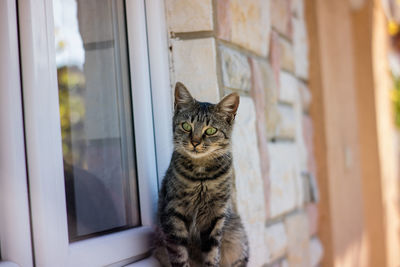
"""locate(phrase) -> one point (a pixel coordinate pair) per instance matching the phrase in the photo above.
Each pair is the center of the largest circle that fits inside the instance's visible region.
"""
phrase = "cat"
(197, 223)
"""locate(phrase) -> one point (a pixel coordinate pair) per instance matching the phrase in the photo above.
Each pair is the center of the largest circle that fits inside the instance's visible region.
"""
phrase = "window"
(95, 145)
(96, 116)
(89, 123)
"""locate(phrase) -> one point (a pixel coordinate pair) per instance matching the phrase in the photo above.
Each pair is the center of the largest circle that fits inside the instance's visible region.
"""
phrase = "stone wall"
(257, 48)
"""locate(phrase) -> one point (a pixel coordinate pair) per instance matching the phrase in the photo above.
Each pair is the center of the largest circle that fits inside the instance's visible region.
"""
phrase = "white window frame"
(157, 34)
(43, 135)
(15, 233)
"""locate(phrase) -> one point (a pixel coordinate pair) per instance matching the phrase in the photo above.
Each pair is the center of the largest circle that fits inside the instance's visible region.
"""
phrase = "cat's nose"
(195, 142)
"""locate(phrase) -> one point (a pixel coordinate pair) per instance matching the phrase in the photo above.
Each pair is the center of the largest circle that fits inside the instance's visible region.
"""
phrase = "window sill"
(8, 264)
(148, 262)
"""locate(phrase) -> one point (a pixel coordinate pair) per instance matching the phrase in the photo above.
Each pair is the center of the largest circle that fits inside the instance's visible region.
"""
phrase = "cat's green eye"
(186, 126)
(211, 131)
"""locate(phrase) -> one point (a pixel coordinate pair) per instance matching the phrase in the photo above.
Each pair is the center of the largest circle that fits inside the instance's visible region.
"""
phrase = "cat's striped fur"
(197, 223)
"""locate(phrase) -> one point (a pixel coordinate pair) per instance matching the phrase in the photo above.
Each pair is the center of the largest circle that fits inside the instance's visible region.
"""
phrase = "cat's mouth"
(196, 151)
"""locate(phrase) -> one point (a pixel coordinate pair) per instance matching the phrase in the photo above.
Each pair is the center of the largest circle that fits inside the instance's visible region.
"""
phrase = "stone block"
(298, 8)
(194, 64)
(286, 55)
(300, 141)
(235, 69)
(276, 240)
(245, 23)
(248, 180)
(275, 56)
(306, 187)
(224, 19)
(305, 95)
(259, 96)
(298, 240)
(281, 17)
(307, 130)
(285, 181)
(311, 192)
(312, 213)
(288, 91)
(189, 16)
(286, 128)
(316, 252)
(314, 189)
(265, 94)
(300, 47)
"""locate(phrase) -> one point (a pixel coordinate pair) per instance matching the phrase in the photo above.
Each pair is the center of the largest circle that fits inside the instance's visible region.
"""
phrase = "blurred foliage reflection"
(71, 90)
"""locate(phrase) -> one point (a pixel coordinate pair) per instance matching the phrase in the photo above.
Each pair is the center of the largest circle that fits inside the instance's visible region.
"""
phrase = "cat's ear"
(228, 106)
(182, 96)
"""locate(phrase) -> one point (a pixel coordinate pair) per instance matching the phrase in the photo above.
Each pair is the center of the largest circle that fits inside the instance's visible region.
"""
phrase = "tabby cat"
(197, 223)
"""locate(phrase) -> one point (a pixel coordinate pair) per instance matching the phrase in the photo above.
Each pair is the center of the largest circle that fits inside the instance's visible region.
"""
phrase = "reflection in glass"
(96, 116)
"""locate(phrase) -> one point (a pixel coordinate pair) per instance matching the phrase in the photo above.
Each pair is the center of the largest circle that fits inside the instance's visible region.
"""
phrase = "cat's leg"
(234, 244)
(211, 242)
(161, 254)
(176, 238)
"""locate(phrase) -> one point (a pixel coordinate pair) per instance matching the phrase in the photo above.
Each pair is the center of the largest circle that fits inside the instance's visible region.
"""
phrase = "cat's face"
(202, 129)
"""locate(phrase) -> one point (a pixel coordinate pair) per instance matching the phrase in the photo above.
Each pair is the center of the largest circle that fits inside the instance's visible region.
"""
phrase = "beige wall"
(363, 27)
(388, 150)
(339, 96)
(356, 147)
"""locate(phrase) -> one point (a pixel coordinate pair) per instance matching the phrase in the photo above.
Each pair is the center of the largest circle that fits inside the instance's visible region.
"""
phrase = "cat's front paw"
(211, 264)
(212, 259)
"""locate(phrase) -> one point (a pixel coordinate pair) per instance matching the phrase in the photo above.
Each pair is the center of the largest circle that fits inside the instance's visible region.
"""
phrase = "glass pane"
(96, 116)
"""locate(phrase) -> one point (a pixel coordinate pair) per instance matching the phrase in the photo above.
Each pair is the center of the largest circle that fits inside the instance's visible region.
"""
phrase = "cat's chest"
(201, 194)
(199, 171)
(202, 205)
(204, 201)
